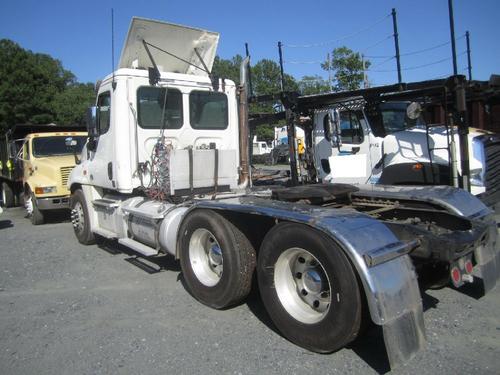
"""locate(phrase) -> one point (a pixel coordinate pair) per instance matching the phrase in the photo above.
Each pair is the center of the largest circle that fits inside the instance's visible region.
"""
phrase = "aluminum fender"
(391, 287)
(455, 200)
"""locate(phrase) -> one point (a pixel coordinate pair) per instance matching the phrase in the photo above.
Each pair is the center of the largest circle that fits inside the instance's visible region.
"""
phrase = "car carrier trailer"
(166, 171)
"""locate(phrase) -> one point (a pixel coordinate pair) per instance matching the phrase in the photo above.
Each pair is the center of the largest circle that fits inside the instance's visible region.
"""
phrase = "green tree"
(265, 132)
(229, 69)
(70, 105)
(310, 85)
(348, 68)
(28, 84)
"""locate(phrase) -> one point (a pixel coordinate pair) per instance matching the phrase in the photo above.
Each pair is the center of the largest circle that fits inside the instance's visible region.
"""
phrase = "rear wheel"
(217, 259)
(309, 288)
(80, 218)
(8, 196)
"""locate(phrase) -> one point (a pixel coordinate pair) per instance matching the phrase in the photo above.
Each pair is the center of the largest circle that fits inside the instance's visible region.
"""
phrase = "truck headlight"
(476, 177)
(45, 190)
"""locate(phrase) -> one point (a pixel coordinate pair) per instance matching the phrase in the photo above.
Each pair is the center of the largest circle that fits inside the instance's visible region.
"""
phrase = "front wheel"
(80, 218)
(217, 259)
(309, 288)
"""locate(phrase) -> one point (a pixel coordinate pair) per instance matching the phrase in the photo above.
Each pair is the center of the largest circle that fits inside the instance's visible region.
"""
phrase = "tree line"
(35, 88)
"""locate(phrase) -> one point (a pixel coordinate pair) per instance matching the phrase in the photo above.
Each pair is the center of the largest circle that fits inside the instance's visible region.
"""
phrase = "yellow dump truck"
(36, 161)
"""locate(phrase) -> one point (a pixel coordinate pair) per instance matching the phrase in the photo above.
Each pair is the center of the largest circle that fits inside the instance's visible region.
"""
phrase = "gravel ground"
(71, 309)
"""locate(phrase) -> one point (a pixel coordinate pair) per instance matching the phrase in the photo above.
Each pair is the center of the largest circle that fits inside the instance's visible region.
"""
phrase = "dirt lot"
(70, 309)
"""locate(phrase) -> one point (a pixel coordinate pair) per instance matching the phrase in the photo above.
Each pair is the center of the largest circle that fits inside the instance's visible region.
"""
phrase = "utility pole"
(280, 51)
(396, 43)
(452, 32)
(365, 80)
(469, 65)
(329, 71)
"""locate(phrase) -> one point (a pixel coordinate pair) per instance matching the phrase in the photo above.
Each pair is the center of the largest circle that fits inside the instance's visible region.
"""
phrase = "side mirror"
(92, 128)
(71, 143)
(92, 121)
(334, 127)
(413, 110)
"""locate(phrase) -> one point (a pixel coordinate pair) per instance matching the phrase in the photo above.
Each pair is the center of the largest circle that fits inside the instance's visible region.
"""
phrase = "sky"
(79, 32)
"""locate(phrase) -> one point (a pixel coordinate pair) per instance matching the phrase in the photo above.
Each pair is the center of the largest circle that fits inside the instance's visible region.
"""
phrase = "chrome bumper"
(53, 203)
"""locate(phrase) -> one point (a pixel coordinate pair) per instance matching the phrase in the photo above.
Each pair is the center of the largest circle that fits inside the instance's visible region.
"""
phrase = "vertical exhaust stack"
(244, 178)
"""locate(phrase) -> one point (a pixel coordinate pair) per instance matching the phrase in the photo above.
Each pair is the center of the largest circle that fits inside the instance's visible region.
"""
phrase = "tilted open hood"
(175, 39)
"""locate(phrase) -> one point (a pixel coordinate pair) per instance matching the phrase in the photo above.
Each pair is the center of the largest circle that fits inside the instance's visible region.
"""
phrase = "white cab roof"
(175, 39)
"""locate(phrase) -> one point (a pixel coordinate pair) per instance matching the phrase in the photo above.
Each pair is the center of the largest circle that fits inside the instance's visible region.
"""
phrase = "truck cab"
(399, 150)
(46, 162)
(35, 163)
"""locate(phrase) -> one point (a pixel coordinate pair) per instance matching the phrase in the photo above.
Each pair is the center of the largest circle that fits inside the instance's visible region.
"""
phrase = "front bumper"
(53, 203)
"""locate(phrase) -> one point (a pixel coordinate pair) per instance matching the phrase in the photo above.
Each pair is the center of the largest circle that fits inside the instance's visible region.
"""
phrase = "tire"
(309, 288)
(80, 218)
(37, 216)
(217, 259)
(8, 196)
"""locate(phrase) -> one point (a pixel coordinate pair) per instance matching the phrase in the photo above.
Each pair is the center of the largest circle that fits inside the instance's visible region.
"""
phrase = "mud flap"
(488, 260)
(404, 337)
(396, 305)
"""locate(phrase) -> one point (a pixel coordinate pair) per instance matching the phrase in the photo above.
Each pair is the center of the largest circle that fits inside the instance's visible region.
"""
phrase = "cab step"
(138, 247)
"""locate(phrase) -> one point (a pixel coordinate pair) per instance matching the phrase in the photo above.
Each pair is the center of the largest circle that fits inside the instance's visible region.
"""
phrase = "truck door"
(102, 158)
(351, 161)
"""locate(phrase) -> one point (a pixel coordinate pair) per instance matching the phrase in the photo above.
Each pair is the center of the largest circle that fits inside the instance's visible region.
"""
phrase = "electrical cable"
(415, 67)
(348, 36)
(376, 44)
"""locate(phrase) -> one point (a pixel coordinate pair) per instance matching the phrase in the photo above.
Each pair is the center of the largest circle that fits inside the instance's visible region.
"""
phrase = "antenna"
(113, 84)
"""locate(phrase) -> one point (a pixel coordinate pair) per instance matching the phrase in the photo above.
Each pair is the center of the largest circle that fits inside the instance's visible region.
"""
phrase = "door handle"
(355, 150)
(110, 170)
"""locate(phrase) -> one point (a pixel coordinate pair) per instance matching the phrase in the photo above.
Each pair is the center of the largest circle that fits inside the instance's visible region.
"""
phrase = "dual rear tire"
(307, 284)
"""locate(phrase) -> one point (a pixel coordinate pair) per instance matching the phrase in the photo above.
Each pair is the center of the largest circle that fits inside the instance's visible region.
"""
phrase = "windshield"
(395, 118)
(53, 146)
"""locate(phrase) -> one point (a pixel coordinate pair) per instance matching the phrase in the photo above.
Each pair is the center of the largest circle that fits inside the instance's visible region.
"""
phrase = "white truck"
(400, 150)
(260, 147)
(166, 171)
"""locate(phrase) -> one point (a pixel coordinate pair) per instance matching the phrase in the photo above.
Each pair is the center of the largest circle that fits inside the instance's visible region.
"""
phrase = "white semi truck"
(166, 171)
(380, 144)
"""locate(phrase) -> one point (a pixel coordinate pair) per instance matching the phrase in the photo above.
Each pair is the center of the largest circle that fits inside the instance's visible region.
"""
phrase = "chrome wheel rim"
(302, 285)
(78, 217)
(205, 256)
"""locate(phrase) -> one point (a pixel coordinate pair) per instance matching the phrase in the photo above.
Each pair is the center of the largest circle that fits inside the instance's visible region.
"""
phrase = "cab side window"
(350, 127)
(103, 112)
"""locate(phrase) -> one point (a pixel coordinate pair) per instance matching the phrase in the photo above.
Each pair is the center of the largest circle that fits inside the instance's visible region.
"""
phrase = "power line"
(383, 62)
(430, 48)
(304, 62)
(417, 66)
(321, 44)
(376, 44)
